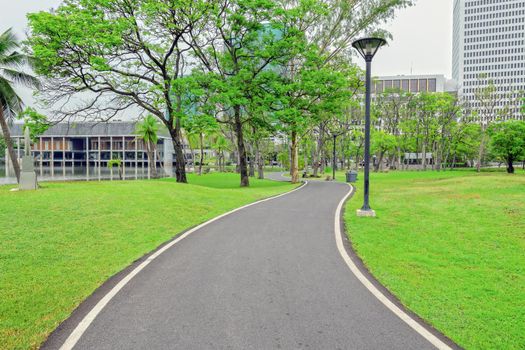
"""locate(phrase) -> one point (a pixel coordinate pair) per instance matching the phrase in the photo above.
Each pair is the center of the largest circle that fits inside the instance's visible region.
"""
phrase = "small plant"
(116, 163)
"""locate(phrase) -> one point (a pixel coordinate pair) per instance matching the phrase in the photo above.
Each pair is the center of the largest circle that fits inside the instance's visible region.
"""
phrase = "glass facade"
(489, 48)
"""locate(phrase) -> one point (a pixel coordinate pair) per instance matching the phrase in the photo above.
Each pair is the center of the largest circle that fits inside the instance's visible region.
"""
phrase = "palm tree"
(147, 131)
(11, 63)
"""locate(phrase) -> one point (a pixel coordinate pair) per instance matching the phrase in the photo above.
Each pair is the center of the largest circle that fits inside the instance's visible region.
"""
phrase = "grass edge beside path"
(450, 246)
(67, 239)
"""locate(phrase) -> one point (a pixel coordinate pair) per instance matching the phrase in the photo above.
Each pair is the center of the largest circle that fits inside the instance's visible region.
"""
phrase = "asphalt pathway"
(266, 277)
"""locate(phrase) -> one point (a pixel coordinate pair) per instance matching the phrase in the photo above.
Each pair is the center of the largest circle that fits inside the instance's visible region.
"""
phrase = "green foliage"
(37, 123)
(147, 130)
(11, 62)
(260, 66)
(115, 162)
(507, 141)
(2, 147)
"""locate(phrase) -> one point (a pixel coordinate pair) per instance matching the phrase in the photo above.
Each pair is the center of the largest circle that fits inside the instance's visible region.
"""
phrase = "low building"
(86, 148)
(414, 83)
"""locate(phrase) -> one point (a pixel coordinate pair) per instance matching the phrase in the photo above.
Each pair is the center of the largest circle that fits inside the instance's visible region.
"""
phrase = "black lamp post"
(367, 47)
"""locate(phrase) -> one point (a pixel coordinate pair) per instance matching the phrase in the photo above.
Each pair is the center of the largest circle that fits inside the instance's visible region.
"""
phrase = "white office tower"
(489, 46)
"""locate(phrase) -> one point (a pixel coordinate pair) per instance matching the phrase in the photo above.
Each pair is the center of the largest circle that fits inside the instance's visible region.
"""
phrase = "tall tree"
(12, 63)
(241, 51)
(119, 55)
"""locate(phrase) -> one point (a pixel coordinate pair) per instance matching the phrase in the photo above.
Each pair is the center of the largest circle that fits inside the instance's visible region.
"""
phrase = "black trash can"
(351, 176)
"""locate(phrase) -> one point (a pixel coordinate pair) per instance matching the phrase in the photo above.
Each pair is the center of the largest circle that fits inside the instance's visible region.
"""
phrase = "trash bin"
(351, 176)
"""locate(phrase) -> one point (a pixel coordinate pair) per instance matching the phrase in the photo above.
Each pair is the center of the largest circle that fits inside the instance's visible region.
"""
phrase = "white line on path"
(376, 292)
(74, 337)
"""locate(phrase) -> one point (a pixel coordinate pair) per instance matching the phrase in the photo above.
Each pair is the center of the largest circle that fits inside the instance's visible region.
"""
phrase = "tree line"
(249, 68)
(236, 75)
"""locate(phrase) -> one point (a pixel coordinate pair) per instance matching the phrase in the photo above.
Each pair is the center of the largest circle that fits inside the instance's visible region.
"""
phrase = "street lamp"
(367, 47)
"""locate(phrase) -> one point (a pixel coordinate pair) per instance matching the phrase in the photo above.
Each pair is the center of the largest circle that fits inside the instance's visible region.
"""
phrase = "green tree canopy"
(507, 142)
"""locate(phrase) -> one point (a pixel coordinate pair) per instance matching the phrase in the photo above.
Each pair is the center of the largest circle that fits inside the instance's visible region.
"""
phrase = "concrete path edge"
(380, 292)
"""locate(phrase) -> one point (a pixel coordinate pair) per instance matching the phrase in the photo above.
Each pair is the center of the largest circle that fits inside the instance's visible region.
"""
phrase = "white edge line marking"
(376, 292)
(80, 329)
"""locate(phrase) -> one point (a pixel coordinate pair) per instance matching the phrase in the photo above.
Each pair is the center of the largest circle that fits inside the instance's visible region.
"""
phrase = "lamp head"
(368, 47)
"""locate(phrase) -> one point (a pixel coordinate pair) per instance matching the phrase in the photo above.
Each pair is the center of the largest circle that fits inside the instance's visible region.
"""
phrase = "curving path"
(266, 277)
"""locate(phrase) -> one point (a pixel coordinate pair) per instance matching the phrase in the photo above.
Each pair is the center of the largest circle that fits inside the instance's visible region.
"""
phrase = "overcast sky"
(422, 35)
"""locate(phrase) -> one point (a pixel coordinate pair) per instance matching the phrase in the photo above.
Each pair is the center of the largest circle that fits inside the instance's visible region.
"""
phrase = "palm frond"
(19, 77)
(14, 60)
(8, 42)
(9, 99)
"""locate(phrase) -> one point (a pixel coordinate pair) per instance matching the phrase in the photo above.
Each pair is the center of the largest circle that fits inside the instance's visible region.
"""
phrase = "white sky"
(422, 36)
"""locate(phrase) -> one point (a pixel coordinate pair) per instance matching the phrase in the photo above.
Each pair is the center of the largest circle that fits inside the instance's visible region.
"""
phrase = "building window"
(397, 84)
(422, 85)
(413, 85)
(432, 85)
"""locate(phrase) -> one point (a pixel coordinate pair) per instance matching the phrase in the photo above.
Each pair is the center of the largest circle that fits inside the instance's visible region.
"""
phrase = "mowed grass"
(58, 244)
(451, 246)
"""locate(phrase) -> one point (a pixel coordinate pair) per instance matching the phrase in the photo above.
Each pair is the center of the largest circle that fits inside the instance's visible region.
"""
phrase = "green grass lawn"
(451, 246)
(58, 244)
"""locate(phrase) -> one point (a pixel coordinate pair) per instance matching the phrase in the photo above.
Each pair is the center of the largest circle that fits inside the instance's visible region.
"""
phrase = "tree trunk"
(9, 144)
(251, 166)
(243, 164)
(437, 159)
(260, 161)
(424, 155)
(294, 158)
(201, 141)
(180, 161)
(151, 160)
(481, 151)
(322, 155)
(315, 162)
(510, 165)
(379, 162)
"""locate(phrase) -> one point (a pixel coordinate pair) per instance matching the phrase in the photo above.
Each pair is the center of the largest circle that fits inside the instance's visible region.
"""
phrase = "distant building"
(90, 146)
(414, 83)
(489, 45)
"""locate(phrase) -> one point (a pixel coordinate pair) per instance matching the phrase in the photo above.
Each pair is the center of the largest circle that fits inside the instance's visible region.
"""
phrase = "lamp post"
(367, 47)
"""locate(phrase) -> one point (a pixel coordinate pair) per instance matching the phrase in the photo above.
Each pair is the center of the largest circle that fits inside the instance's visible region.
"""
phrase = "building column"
(52, 164)
(87, 158)
(111, 156)
(149, 164)
(7, 162)
(41, 157)
(99, 156)
(136, 159)
(168, 157)
(124, 157)
(64, 157)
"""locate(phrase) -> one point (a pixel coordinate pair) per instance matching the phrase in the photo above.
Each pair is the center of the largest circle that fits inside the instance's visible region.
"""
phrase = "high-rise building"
(489, 49)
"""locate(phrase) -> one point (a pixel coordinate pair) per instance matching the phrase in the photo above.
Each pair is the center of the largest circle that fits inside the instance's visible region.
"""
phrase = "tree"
(11, 62)
(220, 145)
(119, 55)
(489, 98)
(507, 142)
(240, 53)
(200, 126)
(382, 144)
(36, 122)
(147, 132)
